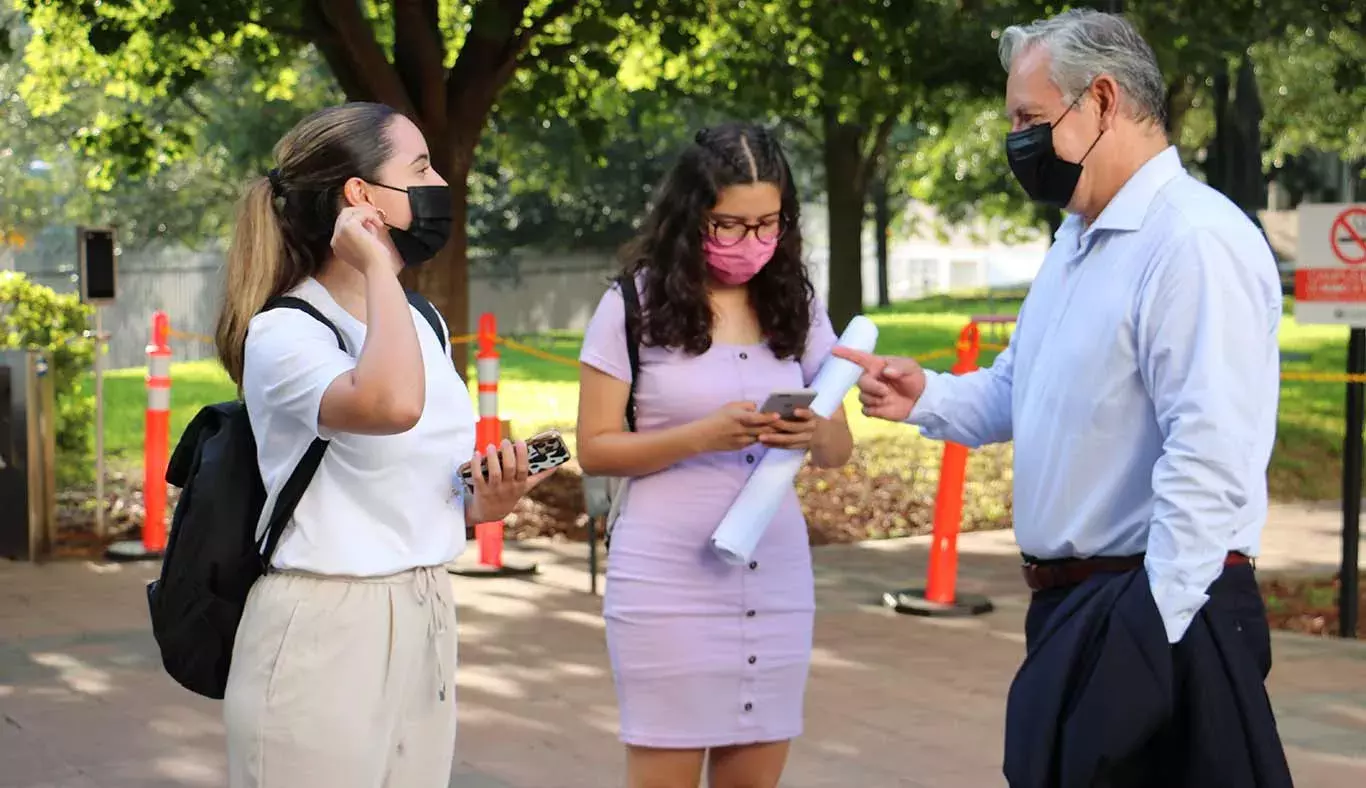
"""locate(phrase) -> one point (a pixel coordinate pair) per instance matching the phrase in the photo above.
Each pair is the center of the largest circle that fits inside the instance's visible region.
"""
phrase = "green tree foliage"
(231, 119)
(34, 316)
(959, 166)
(1313, 84)
(844, 75)
(443, 63)
(30, 191)
(579, 181)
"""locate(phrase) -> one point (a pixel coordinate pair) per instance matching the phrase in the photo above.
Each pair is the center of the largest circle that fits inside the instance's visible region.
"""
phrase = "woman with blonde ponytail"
(343, 668)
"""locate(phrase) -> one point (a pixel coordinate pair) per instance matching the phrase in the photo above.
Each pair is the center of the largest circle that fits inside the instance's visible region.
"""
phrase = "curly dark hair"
(676, 309)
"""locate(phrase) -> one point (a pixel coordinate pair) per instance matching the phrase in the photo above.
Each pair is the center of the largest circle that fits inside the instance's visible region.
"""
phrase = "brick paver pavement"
(893, 700)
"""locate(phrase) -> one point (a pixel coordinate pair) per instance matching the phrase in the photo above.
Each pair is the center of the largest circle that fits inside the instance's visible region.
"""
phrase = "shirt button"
(749, 458)
(749, 614)
(744, 356)
(753, 564)
(753, 659)
(749, 707)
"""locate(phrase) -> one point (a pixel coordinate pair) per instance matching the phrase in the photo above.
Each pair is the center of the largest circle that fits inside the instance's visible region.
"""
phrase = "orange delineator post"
(939, 596)
(488, 430)
(942, 576)
(157, 437)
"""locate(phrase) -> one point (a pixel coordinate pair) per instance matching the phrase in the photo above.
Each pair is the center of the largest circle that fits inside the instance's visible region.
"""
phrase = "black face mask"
(1046, 178)
(431, 225)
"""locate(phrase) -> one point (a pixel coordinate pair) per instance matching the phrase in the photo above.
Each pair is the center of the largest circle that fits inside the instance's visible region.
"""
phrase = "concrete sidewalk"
(893, 700)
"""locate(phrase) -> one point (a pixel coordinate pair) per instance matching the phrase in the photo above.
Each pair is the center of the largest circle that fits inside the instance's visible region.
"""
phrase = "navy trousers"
(1193, 749)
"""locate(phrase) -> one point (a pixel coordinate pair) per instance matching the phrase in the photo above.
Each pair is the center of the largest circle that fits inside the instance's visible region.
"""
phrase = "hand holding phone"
(545, 451)
(733, 427)
(787, 403)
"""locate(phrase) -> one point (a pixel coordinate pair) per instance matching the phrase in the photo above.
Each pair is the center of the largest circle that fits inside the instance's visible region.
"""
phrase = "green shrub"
(35, 316)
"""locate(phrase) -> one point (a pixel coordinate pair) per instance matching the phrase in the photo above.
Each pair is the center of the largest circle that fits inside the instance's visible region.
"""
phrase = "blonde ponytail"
(284, 227)
(256, 271)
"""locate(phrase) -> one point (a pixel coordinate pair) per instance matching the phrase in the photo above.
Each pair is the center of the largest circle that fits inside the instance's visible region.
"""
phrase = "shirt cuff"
(1176, 603)
(926, 410)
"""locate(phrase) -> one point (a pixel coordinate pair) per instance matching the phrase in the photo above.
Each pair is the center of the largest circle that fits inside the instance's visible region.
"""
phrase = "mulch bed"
(874, 497)
(867, 499)
(1310, 604)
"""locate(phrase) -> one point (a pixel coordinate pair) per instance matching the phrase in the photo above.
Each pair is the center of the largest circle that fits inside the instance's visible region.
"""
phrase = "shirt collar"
(1130, 204)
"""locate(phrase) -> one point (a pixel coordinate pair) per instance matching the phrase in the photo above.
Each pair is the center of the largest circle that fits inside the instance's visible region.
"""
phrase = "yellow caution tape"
(171, 333)
(512, 344)
(537, 352)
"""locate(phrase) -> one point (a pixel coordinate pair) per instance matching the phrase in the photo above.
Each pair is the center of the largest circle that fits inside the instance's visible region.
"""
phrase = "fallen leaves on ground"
(124, 514)
(1310, 605)
(887, 490)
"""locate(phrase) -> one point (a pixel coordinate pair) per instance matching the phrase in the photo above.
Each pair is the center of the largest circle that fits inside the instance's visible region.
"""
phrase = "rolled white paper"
(749, 515)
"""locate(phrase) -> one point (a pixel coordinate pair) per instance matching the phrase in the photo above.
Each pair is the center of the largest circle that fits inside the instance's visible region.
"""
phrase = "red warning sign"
(1348, 236)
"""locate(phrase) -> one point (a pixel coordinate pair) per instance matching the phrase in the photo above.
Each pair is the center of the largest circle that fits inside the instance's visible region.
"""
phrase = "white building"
(925, 263)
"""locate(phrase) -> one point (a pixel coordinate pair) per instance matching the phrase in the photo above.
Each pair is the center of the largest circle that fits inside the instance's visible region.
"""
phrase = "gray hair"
(1084, 44)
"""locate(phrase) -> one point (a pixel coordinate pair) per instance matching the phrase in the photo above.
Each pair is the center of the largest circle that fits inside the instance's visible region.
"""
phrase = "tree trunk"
(1248, 184)
(1178, 101)
(1219, 150)
(845, 196)
(882, 219)
(1233, 162)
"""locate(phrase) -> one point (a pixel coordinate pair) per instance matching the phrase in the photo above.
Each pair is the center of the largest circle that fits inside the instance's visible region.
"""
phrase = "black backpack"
(213, 556)
(630, 298)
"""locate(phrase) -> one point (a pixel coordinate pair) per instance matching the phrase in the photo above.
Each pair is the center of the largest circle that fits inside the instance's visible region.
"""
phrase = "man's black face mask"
(1046, 178)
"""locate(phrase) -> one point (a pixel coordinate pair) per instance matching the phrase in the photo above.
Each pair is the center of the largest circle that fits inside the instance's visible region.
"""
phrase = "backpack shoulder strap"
(303, 473)
(428, 311)
(630, 297)
(293, 302)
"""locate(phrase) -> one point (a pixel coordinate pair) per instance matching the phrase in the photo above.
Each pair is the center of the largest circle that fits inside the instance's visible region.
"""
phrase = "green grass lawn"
(536, 393)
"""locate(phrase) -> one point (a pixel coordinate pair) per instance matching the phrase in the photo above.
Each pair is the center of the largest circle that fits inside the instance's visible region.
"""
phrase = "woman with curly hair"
(710, 660)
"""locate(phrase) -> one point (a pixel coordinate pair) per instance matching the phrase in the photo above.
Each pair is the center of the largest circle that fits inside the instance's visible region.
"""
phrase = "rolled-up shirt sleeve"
(1207, 350)
(971, 409)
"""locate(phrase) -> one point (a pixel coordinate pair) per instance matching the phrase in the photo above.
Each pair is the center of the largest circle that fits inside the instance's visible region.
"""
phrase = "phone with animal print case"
(544, 451)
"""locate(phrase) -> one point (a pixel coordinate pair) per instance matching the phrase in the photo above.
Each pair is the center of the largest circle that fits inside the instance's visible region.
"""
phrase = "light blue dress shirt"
(1140, 388)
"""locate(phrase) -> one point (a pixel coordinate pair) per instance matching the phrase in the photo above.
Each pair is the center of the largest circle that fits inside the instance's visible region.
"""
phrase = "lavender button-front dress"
(704, 654)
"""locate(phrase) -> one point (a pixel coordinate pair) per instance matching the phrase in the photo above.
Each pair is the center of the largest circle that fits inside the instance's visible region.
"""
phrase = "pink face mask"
(736, 265)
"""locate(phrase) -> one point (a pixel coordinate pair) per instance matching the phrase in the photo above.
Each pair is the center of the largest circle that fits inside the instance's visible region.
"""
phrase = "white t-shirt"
(379, 504)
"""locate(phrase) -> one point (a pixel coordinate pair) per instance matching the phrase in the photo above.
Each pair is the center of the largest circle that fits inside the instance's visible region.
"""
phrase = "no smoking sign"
(1330, 269)
(1348, 236)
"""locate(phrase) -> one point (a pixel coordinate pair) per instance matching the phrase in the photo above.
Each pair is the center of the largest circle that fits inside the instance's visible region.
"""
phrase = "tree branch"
(801, 127)
(556, 10)
(549, 55)
(419, 58)
(188, 99)
(876, 146)
(493, 27)
(356, 52)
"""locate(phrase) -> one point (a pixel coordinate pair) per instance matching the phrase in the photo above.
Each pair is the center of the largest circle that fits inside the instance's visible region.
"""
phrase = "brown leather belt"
(1045, 575)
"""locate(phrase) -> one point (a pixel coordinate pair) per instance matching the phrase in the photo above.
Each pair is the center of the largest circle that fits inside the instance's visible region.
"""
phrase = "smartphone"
(544, 451)
(786, 403)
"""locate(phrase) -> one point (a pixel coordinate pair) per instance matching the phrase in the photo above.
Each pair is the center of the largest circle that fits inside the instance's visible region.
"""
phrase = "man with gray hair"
(1140, 388)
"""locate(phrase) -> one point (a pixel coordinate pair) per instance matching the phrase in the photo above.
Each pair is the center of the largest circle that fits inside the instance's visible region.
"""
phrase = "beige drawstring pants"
(342, 682)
